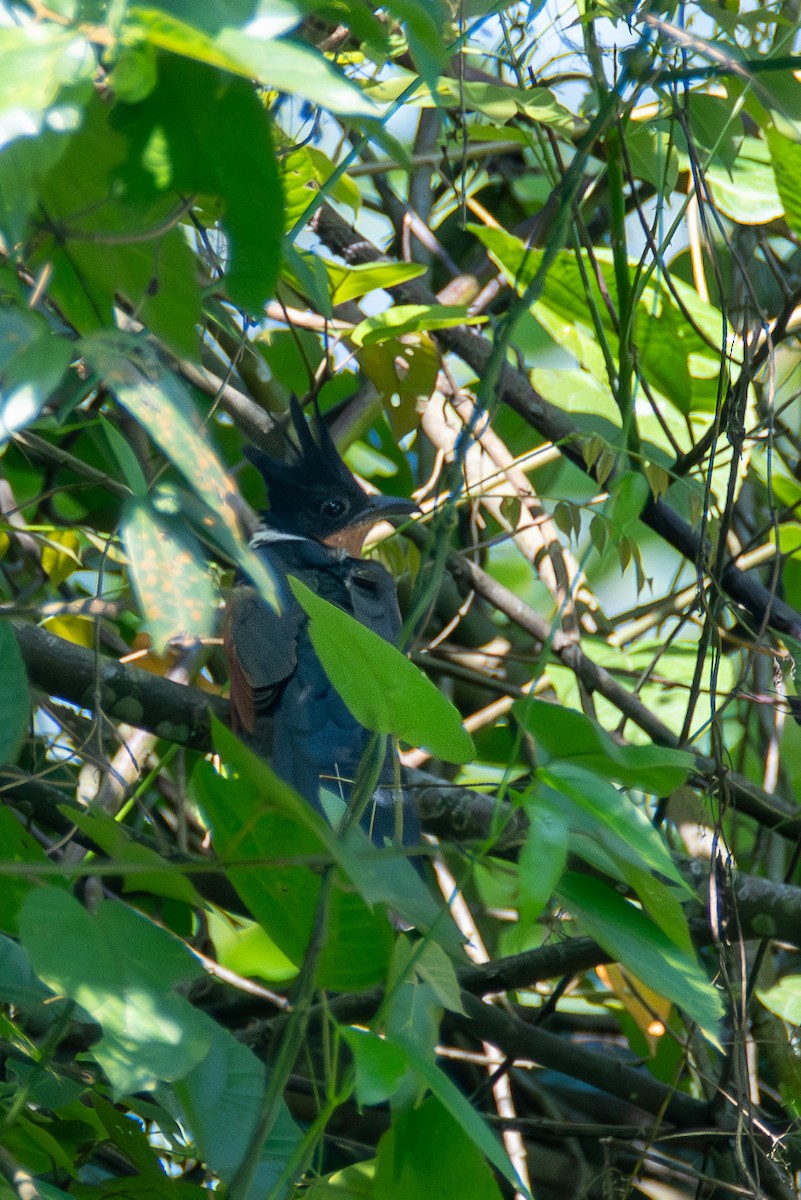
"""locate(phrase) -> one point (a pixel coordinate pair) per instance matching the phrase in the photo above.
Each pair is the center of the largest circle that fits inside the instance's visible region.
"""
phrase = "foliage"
(540, 267)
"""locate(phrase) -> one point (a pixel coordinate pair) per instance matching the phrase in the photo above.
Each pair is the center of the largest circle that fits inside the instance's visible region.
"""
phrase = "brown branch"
(181, 714)
(170, 710)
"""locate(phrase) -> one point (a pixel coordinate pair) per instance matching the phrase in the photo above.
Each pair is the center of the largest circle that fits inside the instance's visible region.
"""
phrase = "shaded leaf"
(15, 698)
(32, 364)
(264, 834)
(615, 813)
(220, 1101)
(428, 1152)
(460, 1112)
(190, 131)
(160, 403)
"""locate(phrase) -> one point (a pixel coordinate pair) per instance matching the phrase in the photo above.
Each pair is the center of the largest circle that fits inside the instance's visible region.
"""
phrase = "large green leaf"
(15, 698)
(427, 1152)
(18, 847)
(379, 878)
(566, 735)
(786, 159)
(156, 398)
(460, 1110)
(252, 50)
(172, 580)
(189, 134)
(381, 687)
(272, 845)
(102, 227)
(638, 944)
(542, 861)
(121, 968)
(615, 816)
(747, 193)
(219, 1101)
(142, 868)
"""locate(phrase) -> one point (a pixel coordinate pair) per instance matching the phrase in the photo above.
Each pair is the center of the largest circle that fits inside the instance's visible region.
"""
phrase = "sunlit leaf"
(381, 687)
(564, 734)
(638, 944)
(121, 968)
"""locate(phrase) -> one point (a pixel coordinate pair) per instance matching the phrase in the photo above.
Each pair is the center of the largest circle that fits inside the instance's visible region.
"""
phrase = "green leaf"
(382, 688)
(380, 1066)
(410, 318)
(566, 735)
(542, 859)
(786, 158)
(128, 463)
(150, 873)
(19, 846)
(615, 815)
(15, 698)
(33, 360)
(461, 1114)
(748, 193)
(156, 398)
(783, 999)
(219, 1101)
(253, 52)
(680, 359)
(190, 131)
(380, 879)
(626, 933)
(20, 986)
(264, 834)
(352, 282)
(172, 580)
(102, 226)
(498, 101)
(121, 969)
(436, 967)
(245, 947)
(36, 61)
(424, 21)
(427, 1152)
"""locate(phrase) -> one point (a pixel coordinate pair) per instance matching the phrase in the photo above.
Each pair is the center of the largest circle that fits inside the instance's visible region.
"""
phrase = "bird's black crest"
(311, 493)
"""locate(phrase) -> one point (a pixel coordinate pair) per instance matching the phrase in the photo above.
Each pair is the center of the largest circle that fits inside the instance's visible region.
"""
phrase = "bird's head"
(313, 494)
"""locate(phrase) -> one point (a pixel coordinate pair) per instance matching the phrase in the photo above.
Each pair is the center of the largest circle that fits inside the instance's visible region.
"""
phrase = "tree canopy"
(539, 266)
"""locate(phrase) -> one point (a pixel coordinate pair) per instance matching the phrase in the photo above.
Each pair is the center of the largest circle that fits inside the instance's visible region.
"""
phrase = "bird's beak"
(384, 507)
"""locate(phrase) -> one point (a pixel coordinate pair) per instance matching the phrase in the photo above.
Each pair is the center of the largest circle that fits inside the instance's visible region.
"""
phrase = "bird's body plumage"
(283, 704)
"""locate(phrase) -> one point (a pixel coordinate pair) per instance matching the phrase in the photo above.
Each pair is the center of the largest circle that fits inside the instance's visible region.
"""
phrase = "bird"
(283, 705)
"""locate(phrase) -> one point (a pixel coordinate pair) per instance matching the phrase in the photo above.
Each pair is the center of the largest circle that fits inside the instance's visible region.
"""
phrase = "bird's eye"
(331, 509)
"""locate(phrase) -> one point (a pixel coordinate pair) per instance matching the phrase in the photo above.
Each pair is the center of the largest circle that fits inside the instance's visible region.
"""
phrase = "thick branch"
(180, 714)
(170, 710)
(515, 1038)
